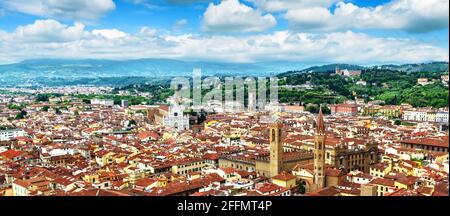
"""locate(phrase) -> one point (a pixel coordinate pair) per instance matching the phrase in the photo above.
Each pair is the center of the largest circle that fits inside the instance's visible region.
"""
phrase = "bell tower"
(319, 152)
(276, 148)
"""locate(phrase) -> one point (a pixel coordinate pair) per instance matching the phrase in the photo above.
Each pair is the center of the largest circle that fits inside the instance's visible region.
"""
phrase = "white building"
(415, 115)
(7, 135)
(104, 102)
(442, 116)
(176, 118)
(423, 81)
(426, 115)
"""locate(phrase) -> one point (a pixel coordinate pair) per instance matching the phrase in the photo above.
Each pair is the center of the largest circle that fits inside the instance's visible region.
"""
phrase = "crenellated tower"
(276, 148)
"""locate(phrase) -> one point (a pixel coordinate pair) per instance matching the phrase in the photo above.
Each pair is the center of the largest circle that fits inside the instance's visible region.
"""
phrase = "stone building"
(273, 163)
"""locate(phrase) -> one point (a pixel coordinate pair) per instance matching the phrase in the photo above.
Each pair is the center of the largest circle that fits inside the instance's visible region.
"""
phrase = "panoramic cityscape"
(224, 98)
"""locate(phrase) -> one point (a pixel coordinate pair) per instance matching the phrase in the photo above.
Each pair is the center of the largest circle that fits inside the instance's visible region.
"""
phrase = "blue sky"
(356, 31)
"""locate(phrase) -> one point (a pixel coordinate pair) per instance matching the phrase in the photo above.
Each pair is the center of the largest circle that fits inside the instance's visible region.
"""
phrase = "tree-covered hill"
(392, 86)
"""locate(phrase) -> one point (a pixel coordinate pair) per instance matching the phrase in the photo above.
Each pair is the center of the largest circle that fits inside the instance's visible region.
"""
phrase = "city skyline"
(225, 98)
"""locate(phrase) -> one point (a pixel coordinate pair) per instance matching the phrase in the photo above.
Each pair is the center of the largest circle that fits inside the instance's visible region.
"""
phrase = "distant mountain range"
(56, 72)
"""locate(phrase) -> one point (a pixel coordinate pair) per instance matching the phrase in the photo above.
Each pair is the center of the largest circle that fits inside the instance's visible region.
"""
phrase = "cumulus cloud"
(408, 15)
(73, 41)
(109, 33)
(68, 9)
(49, 31)
(233, 16)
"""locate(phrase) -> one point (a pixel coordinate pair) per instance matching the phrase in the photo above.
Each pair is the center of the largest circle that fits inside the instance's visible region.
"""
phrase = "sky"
(354, 31)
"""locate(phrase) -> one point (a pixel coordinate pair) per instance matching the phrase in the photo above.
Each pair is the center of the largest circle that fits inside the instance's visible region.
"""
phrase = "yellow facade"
(285, 183)
(185, 168)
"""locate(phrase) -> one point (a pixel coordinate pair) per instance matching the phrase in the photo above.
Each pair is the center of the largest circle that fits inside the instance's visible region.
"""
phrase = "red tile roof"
(10, 154)
(429, 141)
(284, 176)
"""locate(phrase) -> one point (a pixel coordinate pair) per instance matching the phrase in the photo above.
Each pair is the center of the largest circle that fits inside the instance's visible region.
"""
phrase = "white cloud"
(49, 31)
(147, 32)
(109, 33)
(49, 38)
(69, 9)
(407, 15)
(233, 16)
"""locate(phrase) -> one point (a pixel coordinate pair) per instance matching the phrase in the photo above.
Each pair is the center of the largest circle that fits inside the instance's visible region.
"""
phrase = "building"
(10, 134)
(104, 102)
(423, 81)
(361, 82)
(429, 144)
(293, 109)
(390, 111)
(285, 180)
(171, 116)
(444, 79)
(276, 149)
(271, 164)
(188, 166)
(319, 153)
(346, 72)
(124, 103)
(426, 115)
(416, 115)
(344, 109)
(442, 116)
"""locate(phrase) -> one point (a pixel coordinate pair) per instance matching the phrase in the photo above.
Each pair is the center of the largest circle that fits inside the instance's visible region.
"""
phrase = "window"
(273, 135)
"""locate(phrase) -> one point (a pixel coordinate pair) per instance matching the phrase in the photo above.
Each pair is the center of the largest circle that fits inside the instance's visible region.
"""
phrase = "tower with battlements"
(276, 148)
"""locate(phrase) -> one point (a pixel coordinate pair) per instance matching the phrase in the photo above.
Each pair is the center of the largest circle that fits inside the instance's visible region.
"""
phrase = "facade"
(416, 115)
(189, 166)
(104, 102)
(344, 109)
(176, 118)
(442, 116)
(171, 116)
(7, 135)
(429, 144)
(426, 115)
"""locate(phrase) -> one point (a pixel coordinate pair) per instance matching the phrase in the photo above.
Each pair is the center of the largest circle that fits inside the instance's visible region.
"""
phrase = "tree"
(397, 122)
(131, 122)
(301, 188)
(86, 101)
(42, 97)
(45, 108)
(21, 115)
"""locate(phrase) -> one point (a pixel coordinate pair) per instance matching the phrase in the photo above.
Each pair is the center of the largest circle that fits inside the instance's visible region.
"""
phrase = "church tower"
(276, 148)
(319, 152)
